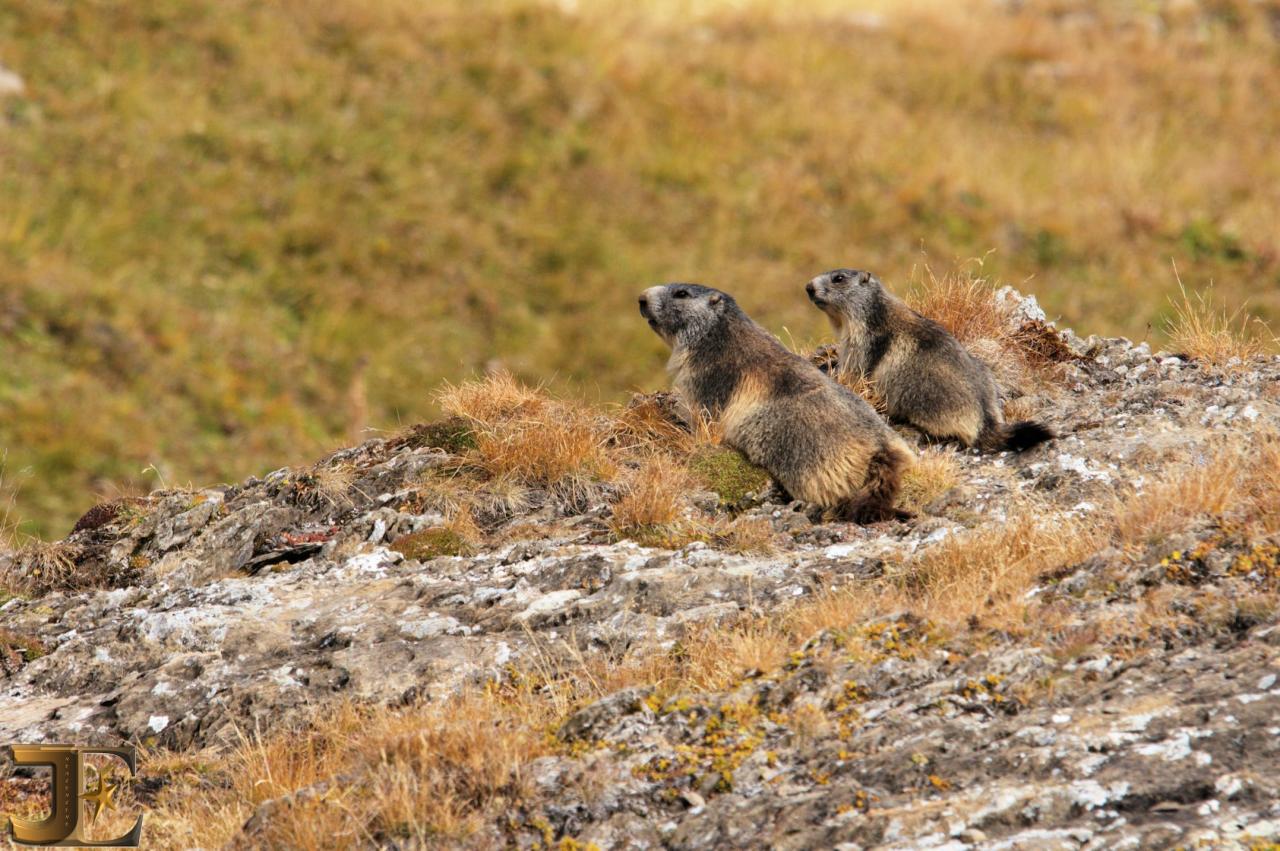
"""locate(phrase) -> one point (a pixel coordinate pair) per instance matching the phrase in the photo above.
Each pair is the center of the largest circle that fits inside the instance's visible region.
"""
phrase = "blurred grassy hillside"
(233, 231)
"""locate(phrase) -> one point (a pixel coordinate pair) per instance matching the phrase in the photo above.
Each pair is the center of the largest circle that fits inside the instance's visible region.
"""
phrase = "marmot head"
(843, 293)
(684, 312)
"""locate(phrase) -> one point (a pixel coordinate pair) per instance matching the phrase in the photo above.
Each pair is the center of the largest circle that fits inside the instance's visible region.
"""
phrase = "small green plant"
(432, 543)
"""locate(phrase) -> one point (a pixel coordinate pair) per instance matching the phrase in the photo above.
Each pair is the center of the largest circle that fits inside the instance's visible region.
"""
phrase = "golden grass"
(746, 535)
(524, 435)
(964, 304)
(934, 472)
(1260, 487)
(38, 567)
(1182, 494)
(330, 484)
(497, 397)
(1236, 479)
(1214, 336)
(653, 496)
(429, 774)
(647, 424)
(9, 520)
(986, 573)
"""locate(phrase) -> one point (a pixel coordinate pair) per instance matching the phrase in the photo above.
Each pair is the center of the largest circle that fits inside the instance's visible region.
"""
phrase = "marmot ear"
(715, 299)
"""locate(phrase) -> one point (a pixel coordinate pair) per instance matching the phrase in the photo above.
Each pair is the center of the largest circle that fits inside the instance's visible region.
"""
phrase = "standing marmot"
(926, 377)
(820, 441)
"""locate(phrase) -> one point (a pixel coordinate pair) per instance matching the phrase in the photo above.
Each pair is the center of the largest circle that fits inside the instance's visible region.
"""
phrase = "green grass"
(210, 212)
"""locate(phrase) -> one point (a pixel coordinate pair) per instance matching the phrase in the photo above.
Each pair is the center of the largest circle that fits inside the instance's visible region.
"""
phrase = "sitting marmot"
(926, 377)
(819, 440)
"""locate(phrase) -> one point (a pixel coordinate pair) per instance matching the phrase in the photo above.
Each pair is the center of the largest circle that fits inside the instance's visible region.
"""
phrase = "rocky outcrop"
(238, 609)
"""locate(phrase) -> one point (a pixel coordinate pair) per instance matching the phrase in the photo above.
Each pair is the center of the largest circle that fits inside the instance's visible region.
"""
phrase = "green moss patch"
(432, 543)
(728, 473)
(453, 435)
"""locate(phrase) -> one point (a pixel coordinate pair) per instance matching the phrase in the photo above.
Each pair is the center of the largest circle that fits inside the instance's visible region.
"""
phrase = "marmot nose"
(809, 288)
(644, 304)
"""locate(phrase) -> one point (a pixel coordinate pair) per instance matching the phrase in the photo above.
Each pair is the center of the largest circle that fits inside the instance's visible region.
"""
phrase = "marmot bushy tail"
(926, 377)
(1023, 435)
(820, 441)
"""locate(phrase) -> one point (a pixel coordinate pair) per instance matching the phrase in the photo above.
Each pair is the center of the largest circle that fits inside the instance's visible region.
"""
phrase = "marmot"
(819, 440)
(926, 377)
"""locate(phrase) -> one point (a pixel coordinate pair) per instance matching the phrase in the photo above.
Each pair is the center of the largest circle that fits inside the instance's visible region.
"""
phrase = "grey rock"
(246, 607)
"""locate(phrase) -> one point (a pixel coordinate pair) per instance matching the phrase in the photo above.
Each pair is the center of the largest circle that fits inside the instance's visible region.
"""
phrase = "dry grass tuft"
(963, 304)
(1260, 487)
(747, 535)
(985, 573)
(333, 483)
(653, 497)
(495, 398)
(935, 472)
(40, 567)
(1183, 494)
(652, 422)
(358, 775)
(527, 436)
(9, 521)
(1020, 357)
(839, 610)
(1205, 333)
(1239, 480)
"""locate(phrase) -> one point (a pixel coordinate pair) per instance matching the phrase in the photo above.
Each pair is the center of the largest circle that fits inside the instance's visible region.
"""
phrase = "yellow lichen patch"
(731, 733)
(1261, 562)
(939, 783)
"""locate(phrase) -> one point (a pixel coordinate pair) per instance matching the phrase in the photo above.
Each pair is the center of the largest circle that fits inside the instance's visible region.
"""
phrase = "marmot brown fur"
(820, 441)
(925, 376)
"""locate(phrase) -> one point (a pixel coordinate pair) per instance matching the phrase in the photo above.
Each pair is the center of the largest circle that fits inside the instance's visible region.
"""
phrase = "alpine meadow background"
(235, 234)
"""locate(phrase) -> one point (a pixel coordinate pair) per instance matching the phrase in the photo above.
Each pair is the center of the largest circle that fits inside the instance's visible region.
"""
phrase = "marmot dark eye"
(839, 278)
(680, 294)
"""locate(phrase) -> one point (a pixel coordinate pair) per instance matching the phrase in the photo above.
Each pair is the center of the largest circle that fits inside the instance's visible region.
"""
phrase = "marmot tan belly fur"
(926, 377)
(820, 441)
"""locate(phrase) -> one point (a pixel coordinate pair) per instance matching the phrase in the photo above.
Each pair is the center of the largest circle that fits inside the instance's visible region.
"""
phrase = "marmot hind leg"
(875, 502)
